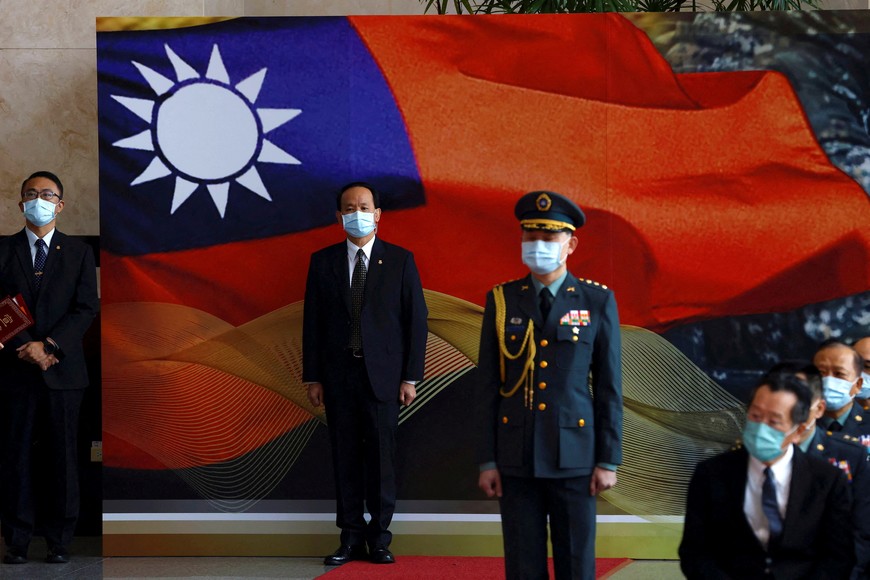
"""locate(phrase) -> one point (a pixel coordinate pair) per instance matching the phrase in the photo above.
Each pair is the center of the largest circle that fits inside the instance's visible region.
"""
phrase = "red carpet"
(446, 568)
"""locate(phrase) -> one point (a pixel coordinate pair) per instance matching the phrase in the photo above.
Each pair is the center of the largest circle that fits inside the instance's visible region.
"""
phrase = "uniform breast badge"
(575, 318)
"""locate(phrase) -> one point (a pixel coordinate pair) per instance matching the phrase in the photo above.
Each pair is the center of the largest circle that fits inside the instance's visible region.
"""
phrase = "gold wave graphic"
(155, 353)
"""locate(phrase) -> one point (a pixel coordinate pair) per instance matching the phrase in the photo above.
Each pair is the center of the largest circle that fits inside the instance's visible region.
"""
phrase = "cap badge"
(543, 202)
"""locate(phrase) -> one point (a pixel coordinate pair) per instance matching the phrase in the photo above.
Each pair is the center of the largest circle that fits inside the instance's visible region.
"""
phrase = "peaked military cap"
(547, 210)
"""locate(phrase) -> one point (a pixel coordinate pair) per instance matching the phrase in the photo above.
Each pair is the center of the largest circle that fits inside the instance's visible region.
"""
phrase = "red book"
(14, 317)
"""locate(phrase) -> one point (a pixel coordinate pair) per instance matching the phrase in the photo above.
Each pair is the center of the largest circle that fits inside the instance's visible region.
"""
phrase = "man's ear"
(796, 436)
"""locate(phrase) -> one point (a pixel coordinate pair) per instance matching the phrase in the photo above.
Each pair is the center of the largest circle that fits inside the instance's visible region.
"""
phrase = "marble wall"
(48, 85)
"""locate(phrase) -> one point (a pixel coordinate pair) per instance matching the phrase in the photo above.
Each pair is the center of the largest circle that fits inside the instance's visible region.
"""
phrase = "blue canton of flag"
(241, 130)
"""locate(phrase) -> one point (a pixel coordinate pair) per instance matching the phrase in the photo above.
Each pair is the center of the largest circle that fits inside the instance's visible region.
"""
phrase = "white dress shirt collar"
(352, 249)
(31, 240)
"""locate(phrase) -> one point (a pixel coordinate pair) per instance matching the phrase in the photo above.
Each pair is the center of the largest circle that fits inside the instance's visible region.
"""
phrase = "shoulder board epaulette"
(847, 439)
(508, 282)
(592, 283)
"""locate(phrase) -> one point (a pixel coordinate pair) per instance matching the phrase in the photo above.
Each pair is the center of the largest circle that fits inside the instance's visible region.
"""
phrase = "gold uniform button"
(542, 385)
(513, 337)
(544, 342)
(542, 407)
(820, 447)
(581, 422)
(504, 419)
(543, 364)
(575, 338)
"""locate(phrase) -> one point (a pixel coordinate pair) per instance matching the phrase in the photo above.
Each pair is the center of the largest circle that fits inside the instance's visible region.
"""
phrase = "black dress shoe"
(56, 556)
(382, 556)
(345, 554)
(14, 556)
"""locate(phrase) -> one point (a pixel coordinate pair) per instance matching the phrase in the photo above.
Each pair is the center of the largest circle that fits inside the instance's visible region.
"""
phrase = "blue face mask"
(837, 392)
(864, 393)
(358, 224)
(762, 441)
(542, 257)
(39, 212)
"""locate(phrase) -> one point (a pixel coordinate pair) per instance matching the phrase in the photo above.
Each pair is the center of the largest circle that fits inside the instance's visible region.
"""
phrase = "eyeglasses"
(46, 194)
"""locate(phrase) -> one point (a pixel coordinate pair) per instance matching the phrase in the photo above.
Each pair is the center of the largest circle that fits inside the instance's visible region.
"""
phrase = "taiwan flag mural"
(726, 190)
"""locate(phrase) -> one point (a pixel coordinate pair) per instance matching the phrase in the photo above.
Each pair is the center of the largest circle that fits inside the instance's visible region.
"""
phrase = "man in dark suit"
(839, 449)
(547, 445)
(766, 509)
(44, 372)
(363, 347)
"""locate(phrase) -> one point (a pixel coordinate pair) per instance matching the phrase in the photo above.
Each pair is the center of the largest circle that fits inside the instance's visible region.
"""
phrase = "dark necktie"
(770, 507)
(39, 263)
(546, 302)
(835, 426)
(357, 289)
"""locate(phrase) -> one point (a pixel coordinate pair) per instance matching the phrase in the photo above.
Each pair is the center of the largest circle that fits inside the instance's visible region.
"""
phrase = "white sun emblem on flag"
(205, 131)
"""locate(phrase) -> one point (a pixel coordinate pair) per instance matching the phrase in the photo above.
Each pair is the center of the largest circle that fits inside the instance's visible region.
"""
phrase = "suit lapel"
(736, 487)
(565, 299)
(528, 302)
(54, 257)
(22, 251)
(798, 490)
(374, 276)
(341, 272)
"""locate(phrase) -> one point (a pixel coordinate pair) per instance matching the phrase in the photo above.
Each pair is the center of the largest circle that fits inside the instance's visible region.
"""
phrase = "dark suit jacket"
(63, 308)
(718, 542)
(393, 318)
(851, 457)
(572, 432)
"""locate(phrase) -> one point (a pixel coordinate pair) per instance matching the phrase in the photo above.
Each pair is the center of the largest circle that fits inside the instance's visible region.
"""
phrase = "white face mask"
(864, 393)
(543, 257)
(358, 224)
(837, 392)
(39, 212)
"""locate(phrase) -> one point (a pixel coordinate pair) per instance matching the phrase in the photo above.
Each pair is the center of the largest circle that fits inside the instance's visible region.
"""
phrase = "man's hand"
(407, 394)
(602, 480)
(33, 352)
(49, 361)
(490, 482)
(315, 394)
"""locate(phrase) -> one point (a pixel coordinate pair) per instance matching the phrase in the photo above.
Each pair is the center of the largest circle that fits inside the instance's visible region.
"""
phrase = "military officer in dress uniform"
(841, 366)
(549, 445)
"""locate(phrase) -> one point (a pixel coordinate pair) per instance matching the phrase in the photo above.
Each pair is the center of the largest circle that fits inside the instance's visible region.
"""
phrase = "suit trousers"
(526, 504)
(362, 432)
(40, 428)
